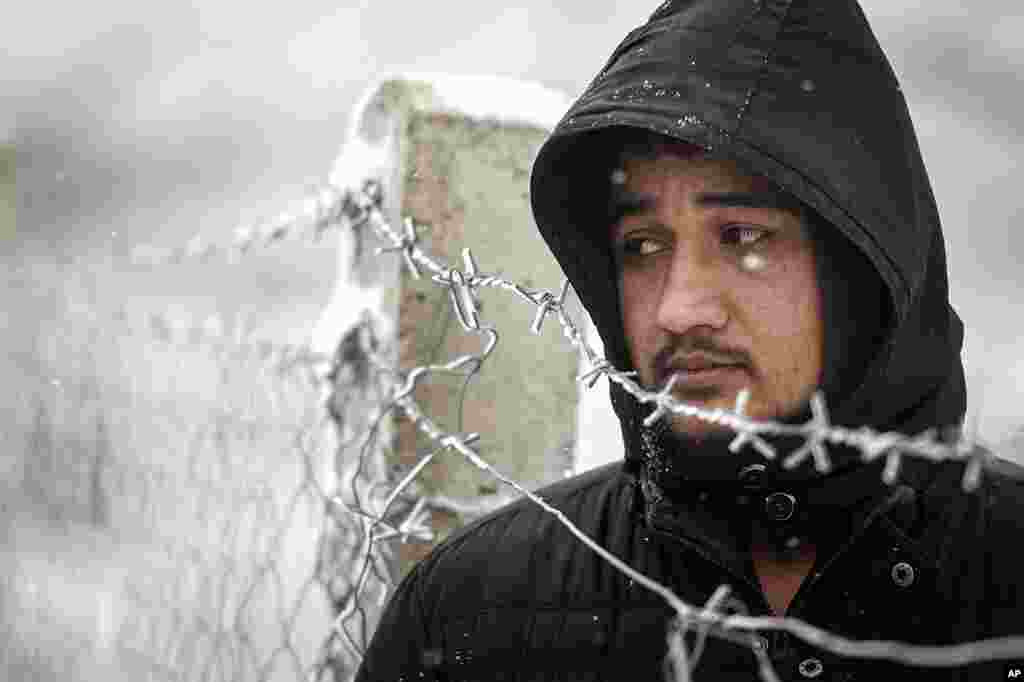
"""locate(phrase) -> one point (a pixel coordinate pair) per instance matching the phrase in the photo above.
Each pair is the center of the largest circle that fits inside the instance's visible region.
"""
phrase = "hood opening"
(779, 88)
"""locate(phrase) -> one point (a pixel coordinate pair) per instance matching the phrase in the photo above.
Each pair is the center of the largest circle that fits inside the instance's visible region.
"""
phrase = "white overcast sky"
(151, 121)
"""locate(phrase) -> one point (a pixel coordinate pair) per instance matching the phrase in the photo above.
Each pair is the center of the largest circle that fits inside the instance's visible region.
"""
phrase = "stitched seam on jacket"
(465, 533)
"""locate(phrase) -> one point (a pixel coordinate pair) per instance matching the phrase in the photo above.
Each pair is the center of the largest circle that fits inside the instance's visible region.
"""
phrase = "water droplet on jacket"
(688, 120)
(693, 62)
(647, 85)
(707, 84)
(660, 93)
(807, 85)
(641, 51)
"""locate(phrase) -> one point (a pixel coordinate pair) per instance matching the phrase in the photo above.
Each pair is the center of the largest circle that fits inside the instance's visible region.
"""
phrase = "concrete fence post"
(453, 154)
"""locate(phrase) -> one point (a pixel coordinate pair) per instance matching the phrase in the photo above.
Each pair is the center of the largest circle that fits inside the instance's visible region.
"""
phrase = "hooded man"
(740, 203)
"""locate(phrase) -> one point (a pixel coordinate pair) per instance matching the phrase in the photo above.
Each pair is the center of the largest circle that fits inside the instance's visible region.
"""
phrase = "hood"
(799, 92)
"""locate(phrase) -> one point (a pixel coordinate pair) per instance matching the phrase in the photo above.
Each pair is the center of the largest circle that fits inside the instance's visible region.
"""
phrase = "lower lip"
(714, 376)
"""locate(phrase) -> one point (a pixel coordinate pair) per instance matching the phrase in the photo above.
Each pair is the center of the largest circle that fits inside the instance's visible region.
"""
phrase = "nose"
(692, 295)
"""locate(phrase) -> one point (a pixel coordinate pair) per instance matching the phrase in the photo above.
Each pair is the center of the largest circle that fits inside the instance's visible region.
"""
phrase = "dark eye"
(742, 235)
(640, 246)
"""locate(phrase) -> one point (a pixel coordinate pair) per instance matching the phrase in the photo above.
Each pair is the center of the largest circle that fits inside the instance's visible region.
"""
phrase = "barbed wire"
(402, 512)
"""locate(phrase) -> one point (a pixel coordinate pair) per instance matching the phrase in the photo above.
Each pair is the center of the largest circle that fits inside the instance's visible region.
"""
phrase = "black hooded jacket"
(799, 92)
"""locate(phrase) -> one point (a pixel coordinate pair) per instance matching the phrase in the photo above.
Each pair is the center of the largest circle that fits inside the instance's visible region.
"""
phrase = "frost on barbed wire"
(398, 510)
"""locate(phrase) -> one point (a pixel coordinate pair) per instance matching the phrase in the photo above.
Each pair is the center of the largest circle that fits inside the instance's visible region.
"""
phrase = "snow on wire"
(335, 208)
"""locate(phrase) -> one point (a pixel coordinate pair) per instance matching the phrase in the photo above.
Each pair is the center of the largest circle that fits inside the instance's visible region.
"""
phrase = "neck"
(781, 573)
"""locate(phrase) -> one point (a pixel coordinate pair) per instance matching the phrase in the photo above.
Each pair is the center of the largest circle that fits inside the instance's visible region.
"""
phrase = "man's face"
(717, 282)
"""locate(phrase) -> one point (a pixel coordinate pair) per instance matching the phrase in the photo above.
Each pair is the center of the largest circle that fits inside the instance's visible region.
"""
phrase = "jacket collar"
(834, 514)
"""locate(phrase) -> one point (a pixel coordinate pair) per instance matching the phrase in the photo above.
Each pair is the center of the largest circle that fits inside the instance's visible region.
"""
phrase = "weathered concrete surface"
(462, 148)
(466, 181)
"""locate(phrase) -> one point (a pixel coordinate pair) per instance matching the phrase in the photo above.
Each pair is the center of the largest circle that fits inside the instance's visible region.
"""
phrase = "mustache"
(669, 360)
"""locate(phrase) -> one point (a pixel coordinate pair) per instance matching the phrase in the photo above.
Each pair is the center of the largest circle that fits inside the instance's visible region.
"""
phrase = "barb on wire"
(591, 376)
(404, 246)
(749, 436)
(714, 603)
(546, 304)
(814, 445)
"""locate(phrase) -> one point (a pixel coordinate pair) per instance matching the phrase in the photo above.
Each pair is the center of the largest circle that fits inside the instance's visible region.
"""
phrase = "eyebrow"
(748, 200)
(625, 203)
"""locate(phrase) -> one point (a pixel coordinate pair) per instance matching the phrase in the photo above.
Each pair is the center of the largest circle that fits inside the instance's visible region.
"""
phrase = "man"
(739, 201)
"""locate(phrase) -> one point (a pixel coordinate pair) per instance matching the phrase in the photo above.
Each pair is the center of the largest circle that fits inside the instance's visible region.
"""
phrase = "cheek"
(638, 318)
(806, 296)
(785, 313)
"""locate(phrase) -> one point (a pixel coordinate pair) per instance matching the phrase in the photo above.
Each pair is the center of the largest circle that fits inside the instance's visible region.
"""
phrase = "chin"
(692, 427)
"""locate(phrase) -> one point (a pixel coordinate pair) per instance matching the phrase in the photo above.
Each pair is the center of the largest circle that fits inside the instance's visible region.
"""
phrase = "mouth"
(702, 374)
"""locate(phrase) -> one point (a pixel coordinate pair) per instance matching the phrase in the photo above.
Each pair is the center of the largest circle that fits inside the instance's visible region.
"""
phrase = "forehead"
(680, 172)
(647, 184)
